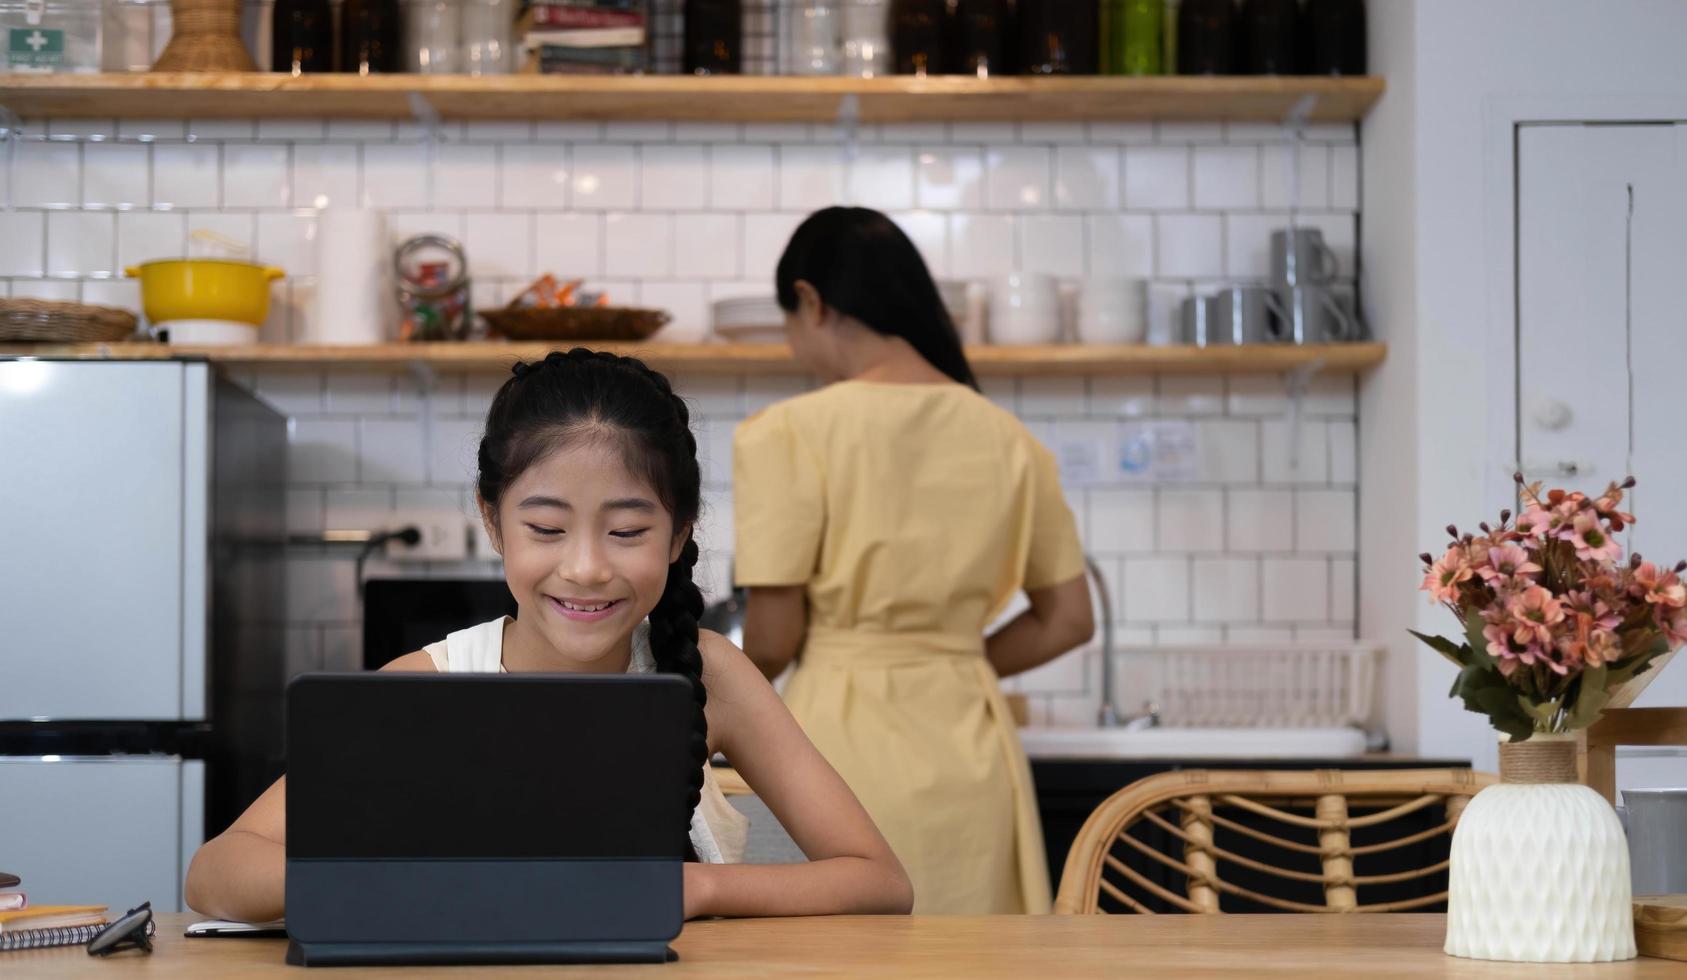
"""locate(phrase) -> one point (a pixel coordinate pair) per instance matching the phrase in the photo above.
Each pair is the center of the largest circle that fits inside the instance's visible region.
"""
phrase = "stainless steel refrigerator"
(141, 592)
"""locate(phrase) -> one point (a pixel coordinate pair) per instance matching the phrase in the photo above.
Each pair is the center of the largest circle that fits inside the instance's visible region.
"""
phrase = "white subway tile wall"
(1255, 548)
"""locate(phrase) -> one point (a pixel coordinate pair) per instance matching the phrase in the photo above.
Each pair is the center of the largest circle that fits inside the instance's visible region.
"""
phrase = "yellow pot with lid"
(205, 289)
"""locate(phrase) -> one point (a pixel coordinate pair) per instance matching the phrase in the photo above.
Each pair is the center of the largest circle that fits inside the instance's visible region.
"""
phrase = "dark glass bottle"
(301, 36)
(1334, 37)
(371, 33)
(1059, 37)
(1270, 37)
(916, 35)
(1206, 37)
(980, 37)
(714, 37)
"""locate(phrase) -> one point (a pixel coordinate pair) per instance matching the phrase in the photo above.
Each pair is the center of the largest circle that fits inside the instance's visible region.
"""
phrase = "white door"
(101, 830)
(1602, 334)
(91, 541)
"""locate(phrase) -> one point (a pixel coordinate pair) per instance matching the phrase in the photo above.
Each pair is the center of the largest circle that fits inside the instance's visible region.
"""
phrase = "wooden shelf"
(1069, 360)
(731, 99)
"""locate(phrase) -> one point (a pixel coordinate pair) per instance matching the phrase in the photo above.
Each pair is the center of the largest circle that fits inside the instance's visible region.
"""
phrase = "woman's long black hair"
(601, 394)
(862, 265)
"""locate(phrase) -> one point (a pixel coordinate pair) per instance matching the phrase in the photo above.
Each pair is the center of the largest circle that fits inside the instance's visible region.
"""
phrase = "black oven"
(403, 615)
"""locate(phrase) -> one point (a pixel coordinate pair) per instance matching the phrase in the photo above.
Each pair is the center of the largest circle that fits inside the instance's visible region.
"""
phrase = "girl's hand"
(698, 878)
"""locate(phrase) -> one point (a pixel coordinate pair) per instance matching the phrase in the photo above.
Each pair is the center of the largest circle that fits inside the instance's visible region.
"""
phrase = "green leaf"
(1541, 712)
(1588, 700)
(1473, 625)
(1445, 647)
(1485, 692)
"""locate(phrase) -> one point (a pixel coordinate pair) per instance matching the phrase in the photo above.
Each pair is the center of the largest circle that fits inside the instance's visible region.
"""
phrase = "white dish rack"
(1303, 686)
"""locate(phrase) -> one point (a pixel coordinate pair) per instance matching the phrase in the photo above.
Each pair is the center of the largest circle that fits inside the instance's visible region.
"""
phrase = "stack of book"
(25, 926)
(584, 37)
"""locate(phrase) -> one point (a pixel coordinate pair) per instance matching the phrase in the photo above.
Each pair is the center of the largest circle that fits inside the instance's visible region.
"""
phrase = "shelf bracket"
(848, 124)
(433, 133)
(11, 130)
(1296, 382)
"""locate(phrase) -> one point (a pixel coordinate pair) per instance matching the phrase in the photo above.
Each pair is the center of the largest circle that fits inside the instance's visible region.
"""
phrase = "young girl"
(589, 488)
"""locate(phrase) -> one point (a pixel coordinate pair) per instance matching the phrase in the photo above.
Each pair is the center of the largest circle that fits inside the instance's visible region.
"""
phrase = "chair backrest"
(1176, 841)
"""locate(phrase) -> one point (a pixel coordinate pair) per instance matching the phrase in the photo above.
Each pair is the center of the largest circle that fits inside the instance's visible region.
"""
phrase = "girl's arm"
(241, 873)
(1060, 618)
(850, 868)
(775, 623)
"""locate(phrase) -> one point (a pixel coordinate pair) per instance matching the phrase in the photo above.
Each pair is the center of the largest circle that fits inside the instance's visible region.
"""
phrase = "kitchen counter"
(1072, 947)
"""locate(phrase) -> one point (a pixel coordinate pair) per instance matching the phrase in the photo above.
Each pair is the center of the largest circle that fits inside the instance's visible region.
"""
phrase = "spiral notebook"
(40, 926)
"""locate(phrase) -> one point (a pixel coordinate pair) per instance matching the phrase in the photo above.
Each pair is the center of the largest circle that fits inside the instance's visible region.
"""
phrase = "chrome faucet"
(1109, 717)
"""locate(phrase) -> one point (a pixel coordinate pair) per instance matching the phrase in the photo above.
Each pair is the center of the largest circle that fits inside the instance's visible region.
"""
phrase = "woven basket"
(53, 322)
(576, 323)
(205, 37)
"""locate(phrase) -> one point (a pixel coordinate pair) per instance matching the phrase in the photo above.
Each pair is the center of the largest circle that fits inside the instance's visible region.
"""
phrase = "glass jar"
(1269, 37)
(1206, 32)
(866, 38)
(980, 38)
(812, 37)
(1133, 35)
(1059, 37)
(433, 36)
(714, 37)
(488, 26)
(133, 34)
(301, 36)
(1334, 32)
(51, 37)
(371, 37)
(916, 35)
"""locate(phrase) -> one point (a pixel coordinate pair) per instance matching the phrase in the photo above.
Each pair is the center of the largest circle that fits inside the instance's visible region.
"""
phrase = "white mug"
(1113, 311)
(1024, 309)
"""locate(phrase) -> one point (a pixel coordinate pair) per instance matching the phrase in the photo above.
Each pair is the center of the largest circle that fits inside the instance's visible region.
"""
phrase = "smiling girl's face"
(586, 546)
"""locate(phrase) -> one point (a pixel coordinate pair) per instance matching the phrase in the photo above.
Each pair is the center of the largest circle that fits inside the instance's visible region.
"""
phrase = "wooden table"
(928, 946)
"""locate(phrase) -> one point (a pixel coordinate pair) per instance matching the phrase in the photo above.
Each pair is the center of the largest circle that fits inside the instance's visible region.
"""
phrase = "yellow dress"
(912, 514)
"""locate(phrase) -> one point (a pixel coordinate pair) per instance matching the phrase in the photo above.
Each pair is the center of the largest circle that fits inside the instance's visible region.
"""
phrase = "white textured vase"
(1539, 868)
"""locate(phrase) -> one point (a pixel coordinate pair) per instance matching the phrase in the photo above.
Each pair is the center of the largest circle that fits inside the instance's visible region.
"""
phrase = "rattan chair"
(1169, 843)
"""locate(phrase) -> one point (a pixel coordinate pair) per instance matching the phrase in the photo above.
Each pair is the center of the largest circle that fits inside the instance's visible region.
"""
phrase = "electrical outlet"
(445, 536)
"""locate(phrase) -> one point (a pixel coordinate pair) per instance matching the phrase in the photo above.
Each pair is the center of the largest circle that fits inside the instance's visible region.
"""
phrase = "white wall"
(680, 214)
(1436, 250)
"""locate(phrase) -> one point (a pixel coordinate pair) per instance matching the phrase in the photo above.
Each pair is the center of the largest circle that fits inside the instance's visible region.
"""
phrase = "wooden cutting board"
(1660, 926)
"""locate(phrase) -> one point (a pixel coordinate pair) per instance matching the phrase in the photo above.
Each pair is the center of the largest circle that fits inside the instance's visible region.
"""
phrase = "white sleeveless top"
(718, 832)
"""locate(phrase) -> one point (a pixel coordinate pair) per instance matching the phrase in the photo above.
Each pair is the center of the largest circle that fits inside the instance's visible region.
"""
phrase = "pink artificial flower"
(1538, 521)
(1603, 647)
(1447, 574)
(1534, 612)
(1501, 647)
(1587, 533)
(1660, 587)
(1673, 623)
(1499, 640)
(1606, 505)
(1507, 565)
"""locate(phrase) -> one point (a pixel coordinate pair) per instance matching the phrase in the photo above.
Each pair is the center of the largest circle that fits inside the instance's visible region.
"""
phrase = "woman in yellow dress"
(883, 521)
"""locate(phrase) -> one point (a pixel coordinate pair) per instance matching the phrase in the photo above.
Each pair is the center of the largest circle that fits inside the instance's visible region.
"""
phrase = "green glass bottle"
(1133, 32)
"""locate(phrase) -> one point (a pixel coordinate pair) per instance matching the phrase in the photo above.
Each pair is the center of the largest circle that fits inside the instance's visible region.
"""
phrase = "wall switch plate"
(1130, 452)
(445, 536)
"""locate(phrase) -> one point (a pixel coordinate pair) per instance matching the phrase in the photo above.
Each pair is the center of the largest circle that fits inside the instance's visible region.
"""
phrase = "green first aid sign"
(35, 47)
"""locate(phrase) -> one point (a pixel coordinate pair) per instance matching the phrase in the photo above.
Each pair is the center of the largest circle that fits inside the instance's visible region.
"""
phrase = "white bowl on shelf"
(749, 320)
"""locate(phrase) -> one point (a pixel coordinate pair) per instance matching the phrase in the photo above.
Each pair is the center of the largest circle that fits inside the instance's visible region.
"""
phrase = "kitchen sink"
(1193, 743)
